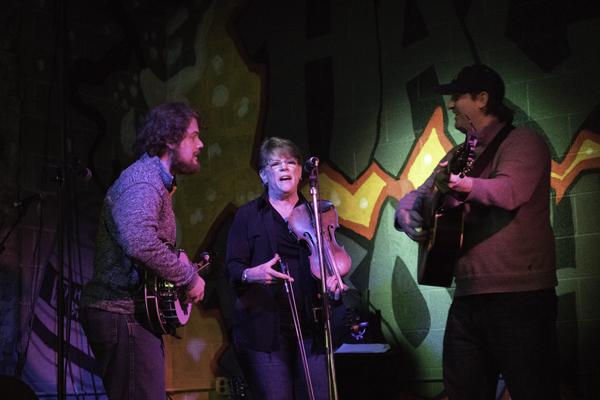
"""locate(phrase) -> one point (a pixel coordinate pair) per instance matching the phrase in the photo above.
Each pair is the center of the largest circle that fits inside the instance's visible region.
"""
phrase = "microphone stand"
(62, 172)
(61, 382)
(312, 180)
(21, 213)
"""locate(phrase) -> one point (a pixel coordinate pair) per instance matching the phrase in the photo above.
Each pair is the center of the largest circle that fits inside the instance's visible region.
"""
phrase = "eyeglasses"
(277, 165)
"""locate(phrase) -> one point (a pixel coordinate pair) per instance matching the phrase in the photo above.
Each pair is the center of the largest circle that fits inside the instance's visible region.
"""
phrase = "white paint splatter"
(335, 198)
(133, 91)
(214, 150)
(195, 347)
(173, 52)
(220, 96)
(427, 159)
(217, 64)
(211, 195)
(252, 195)
(363, 203)
(196, 217)
(243, 110)
(240, 199)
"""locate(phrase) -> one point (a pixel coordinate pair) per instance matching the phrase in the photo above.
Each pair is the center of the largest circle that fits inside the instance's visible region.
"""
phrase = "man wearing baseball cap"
(502, 318)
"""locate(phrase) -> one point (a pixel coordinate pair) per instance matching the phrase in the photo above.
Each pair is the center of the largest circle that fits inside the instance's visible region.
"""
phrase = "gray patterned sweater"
(136, 221)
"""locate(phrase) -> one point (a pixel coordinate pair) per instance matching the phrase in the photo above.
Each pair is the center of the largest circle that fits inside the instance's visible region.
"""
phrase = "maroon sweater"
(508, 243)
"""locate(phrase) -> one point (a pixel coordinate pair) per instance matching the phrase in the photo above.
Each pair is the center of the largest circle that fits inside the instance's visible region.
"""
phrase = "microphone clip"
(311, 164)
(77, 168)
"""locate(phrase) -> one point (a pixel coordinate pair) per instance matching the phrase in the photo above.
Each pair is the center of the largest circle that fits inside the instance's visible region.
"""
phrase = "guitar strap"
(488, 153)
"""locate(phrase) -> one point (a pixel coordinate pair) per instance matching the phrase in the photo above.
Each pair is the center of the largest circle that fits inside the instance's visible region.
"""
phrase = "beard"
(184, 167)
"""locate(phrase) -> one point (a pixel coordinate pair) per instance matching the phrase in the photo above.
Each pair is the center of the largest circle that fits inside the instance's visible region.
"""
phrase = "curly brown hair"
(163, 125)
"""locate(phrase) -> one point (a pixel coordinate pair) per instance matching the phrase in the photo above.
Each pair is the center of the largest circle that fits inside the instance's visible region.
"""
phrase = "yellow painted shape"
(357, 207)
(228, 96)
(431, 152)
(592, 150)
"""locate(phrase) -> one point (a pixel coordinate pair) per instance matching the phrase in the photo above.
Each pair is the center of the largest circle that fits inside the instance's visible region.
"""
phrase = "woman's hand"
(265, 274)
(334, 289)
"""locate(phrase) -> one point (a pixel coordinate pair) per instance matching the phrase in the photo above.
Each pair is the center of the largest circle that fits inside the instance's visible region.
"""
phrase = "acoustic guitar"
(444, 218)
(165, 307)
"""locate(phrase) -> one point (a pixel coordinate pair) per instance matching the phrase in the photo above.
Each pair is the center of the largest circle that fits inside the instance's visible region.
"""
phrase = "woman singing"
(263, 333)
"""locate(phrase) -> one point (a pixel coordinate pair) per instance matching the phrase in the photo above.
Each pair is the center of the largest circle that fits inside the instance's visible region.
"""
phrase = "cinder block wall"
(349, 82)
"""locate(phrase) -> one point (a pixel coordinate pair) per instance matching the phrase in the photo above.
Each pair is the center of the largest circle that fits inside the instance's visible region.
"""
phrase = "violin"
(336, 259)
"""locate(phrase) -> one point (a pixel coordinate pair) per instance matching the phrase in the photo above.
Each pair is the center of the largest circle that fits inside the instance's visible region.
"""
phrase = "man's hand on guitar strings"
(446, 181)
(412, 224)
(195, 294)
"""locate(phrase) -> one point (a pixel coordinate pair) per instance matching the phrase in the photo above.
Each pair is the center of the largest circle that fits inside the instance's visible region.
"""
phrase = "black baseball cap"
(475, 78)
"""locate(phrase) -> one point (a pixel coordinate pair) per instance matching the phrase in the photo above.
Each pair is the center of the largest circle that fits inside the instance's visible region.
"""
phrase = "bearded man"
(136, 230)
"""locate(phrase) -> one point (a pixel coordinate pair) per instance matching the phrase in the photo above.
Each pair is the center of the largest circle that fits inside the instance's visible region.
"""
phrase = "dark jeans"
(280, 375)
(131, 358)
(512, 334)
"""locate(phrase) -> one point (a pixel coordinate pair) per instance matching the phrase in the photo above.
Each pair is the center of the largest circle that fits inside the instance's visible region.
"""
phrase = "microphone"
(311, 164)
(76, 167)
(38, 196)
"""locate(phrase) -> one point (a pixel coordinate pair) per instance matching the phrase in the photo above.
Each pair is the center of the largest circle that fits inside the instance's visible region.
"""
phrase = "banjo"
(164, 302)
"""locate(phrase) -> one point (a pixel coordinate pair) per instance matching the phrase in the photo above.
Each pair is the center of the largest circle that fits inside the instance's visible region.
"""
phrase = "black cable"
(26, 336)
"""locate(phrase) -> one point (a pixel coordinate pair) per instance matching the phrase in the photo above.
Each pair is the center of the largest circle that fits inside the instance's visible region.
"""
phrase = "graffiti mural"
(378, 130)
(351, 82)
